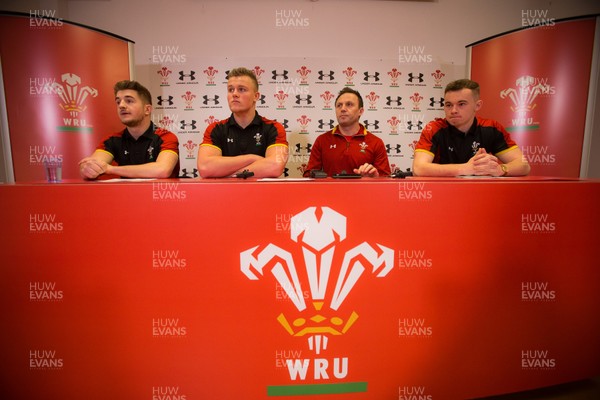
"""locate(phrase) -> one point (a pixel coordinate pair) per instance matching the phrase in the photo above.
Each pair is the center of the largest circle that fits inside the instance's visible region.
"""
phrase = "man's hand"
(484, 163)
(367, 170)
(92, 168)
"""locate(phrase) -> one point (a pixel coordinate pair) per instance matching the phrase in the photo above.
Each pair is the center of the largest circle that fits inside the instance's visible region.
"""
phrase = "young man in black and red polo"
(463, 144)
(141, 150)
(244, 141)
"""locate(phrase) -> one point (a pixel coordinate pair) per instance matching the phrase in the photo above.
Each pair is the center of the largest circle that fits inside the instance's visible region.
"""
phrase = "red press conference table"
(337, 289)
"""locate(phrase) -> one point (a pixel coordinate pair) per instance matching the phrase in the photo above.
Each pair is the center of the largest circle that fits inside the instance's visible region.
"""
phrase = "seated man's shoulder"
(439, 122)
(372, 136)
(269, 121)
(164, 132)
(436, 125)
(488, 122)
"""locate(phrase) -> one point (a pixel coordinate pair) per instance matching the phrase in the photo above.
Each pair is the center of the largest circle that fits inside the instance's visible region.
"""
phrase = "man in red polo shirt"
(349, 148)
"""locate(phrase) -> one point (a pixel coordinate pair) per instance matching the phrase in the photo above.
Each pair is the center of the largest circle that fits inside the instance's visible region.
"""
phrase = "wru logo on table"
(319, 232)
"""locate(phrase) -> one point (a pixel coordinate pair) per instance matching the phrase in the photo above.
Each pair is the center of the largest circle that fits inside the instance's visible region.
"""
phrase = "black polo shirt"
(128, 151)
(256, 138)
(449, 145)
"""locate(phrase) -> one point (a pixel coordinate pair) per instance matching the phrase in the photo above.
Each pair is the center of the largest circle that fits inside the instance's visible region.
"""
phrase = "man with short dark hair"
(244, 141)
(463, 144)
(349, 147)
(141, 150)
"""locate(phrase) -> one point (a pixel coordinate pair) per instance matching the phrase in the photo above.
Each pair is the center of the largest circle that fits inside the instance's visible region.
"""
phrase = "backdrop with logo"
(535, 81)
(400, 97)
(304, 297)
(58, 80)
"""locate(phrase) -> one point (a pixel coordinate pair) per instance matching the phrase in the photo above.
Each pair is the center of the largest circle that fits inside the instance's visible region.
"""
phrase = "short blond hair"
(241, 71)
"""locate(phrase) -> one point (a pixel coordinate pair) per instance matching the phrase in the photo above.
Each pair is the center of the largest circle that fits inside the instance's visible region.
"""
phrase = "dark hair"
(352, 91)
(460, 84)
(241, 71)
(136, 86)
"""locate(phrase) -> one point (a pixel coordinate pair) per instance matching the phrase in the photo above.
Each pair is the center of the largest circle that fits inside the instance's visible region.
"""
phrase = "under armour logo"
(184, 125)
(191, 75)
(410, 125)
(432, 102)
(188, 174)
(300, 147)
(396, 148)
(322, 75)
(412, 77)
(284, 74)
(161, 100)
(307, 99)
(262, 100)
(371, 125)
(374, 76)
(229, 140)
(329, 124)
(389, 100)
(207, 99)
(332, 146)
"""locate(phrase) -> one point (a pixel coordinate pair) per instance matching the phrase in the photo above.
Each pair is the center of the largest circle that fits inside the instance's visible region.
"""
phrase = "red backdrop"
(535, 82)
(58, 80)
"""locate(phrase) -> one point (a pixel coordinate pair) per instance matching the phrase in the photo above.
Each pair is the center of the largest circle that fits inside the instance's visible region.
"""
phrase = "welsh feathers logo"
(73, 97)
(323, 262)
(523, 99)
(72, 94)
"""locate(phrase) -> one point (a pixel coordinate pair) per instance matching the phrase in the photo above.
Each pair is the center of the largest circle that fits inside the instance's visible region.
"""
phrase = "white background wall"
(340, 29)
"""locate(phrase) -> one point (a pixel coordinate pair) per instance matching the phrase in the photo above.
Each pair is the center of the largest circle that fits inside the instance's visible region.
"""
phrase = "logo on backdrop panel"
(73, 100)
(304, 72)
(372, 98)
(326, 77)
(191, 151)
(188, 98)
(187, 78)
(258, 71)
(281, 97)
(210, 73)
(438, 75)
(416, 100)
(372, 78)
(164, 74)
(319, 315)
(303, 121)
(523, 101)
(327, 97)
(349, 73)
(394, 75)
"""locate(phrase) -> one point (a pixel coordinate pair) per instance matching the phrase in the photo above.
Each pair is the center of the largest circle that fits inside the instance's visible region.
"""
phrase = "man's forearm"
(219, 166)
(266, 168)
(148, 170)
